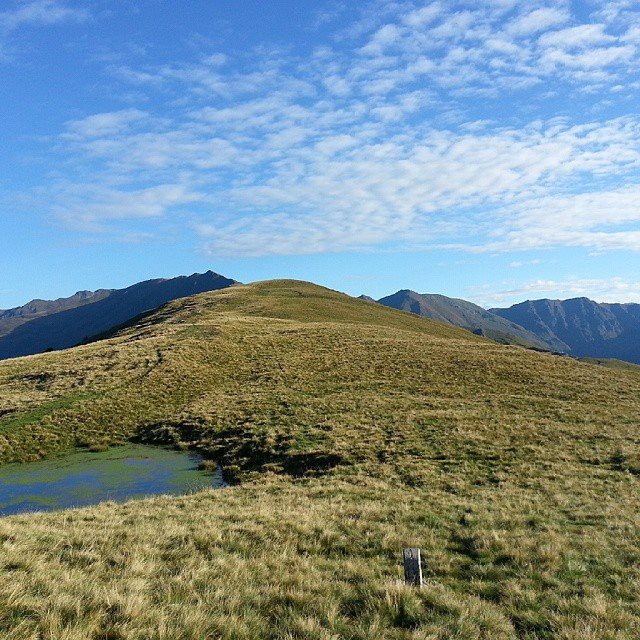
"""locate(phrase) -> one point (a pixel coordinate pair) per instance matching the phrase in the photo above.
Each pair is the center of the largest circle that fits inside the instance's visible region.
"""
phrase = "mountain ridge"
(61, 329)
(14, 317)
(580, 326)
(463, 314)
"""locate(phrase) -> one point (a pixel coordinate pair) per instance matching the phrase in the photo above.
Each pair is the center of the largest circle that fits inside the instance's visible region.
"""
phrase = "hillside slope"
(582, 327)
(354, 430)
(68, 322)
(464, 314)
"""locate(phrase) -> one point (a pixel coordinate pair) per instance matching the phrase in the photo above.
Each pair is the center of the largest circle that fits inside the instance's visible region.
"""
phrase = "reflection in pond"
(85, 478)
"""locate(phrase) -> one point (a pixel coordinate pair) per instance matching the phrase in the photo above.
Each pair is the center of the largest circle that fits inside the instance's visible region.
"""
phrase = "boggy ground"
(353, 431)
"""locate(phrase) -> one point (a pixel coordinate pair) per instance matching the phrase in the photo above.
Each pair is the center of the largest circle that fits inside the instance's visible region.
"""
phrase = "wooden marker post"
(412, 567)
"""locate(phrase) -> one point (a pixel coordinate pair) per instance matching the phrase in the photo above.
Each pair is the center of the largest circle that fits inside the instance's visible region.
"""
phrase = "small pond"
(83, 478)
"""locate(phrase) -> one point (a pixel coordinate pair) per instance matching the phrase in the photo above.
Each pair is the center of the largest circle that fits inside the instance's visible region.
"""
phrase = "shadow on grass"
(240, 450)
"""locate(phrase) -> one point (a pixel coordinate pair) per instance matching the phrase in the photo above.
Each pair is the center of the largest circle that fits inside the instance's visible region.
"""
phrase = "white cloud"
(598, 220)
(337, 86)
(363, 193)
(596, 58)
(454, 27)
(43, 12)
(91, 208)
(215, 59)
(342, 150)
(105, 124)
(33, 13)
(616, 12)
(614, 289)
(632, 35)
(384, 38)
(576, 37)
(517, 264)
(538, 20)
(424, 15)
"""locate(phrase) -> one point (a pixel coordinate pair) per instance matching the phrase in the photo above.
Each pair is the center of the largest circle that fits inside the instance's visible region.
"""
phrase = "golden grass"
(354, 431)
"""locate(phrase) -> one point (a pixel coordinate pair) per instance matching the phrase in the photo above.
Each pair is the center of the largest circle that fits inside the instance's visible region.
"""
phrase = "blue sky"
(484, 149)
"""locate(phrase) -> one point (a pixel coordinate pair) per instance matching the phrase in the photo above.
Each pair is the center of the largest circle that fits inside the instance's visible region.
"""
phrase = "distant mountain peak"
(582, 327)
(42, 325)
(464, 314)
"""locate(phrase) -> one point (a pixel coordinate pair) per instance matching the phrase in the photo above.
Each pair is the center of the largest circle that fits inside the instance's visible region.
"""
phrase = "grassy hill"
(352, 431)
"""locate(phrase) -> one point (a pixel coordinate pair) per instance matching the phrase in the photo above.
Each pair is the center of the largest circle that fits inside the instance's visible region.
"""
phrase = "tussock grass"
(353, 430)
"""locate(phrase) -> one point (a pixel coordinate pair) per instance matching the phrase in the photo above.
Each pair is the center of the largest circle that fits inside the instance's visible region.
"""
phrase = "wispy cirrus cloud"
(93, 208)
(40, 12)
(17, 15)
(102, 125)
(379, 136)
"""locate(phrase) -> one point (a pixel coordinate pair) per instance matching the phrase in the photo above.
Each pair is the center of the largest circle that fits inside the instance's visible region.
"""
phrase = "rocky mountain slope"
(466, 315)
(581, 327)
(12, 318)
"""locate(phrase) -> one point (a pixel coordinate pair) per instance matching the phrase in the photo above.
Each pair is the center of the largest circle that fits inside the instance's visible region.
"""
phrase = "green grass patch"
(25, 418)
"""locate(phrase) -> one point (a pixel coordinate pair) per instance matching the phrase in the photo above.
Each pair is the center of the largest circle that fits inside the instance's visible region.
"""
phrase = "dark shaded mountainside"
(581, 327)
(12, 318)
(466, 315)
(43, 325)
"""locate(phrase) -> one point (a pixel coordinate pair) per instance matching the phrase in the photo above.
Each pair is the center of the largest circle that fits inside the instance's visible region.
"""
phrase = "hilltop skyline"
(483, 150)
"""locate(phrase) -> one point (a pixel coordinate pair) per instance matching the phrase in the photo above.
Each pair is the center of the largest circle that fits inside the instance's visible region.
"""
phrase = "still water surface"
(85, 478)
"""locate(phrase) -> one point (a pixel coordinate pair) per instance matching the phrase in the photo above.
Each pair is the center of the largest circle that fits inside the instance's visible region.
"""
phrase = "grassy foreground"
(353, 431)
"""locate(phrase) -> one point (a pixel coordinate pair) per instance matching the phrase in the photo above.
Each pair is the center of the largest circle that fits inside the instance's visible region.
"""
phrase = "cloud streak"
(384, 136)
(40, 12)
(613, 290)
